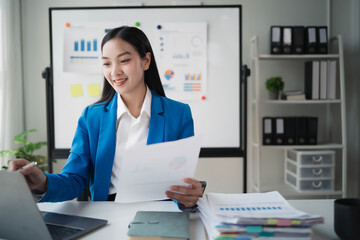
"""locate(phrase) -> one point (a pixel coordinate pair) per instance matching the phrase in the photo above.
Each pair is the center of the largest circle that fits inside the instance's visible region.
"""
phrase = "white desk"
(322, 207)
(119, 216)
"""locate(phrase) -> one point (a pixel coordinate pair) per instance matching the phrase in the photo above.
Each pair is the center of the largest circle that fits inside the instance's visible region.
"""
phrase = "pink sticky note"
(284, 222)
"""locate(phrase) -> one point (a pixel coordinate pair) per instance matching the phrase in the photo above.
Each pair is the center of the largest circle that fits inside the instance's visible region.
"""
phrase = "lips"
(119, 82)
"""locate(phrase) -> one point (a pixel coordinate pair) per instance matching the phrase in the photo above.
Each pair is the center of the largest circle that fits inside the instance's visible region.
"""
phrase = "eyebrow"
(120, 55)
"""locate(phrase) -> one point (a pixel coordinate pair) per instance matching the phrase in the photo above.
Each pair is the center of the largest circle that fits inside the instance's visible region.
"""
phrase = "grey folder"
(160, 225)
(21, 219)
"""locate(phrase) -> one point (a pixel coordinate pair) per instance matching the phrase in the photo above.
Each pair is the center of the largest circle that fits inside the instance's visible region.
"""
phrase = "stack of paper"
(254, 216)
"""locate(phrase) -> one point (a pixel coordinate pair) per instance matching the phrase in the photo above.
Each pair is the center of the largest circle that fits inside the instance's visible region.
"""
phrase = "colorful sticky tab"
(76, 90)
(272, 221)
(253, 229)
(284, 222)
(232, 237)
(94, 90)
(266, 234)
(295, 222)
(137, 24)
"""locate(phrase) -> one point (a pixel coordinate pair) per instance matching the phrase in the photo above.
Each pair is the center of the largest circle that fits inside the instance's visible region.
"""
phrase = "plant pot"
(274, 95)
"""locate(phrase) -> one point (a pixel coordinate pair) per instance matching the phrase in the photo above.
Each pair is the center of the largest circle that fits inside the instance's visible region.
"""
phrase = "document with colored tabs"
(254, 215)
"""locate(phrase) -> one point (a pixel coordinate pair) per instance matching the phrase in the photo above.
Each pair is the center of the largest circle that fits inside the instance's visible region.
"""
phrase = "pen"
(28, 165)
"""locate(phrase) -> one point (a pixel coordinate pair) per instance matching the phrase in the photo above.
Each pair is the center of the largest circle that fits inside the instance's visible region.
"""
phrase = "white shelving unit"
(266, 162)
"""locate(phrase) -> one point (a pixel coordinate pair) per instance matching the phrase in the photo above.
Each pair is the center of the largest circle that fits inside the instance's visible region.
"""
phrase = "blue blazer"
(92, 152)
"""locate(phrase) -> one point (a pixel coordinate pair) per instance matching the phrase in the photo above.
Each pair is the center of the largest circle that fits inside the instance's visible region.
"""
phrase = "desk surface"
(324, 208)
(119, 215)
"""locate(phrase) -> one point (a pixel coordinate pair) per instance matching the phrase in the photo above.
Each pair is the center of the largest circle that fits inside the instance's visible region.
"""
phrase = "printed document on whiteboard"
(148, 172)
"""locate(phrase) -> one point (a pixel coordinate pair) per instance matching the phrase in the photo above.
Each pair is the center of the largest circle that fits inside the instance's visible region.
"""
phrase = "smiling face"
(124, 69)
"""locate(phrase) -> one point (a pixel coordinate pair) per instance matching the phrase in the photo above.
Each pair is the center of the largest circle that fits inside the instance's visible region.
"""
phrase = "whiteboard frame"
(60, 153)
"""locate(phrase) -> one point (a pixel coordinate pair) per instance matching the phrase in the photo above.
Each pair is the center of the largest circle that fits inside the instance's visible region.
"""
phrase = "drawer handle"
(316, 185)
(317, 160)
(317, 171)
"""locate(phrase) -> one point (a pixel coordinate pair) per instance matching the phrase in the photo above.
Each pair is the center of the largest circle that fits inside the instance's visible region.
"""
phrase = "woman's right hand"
(35, 178)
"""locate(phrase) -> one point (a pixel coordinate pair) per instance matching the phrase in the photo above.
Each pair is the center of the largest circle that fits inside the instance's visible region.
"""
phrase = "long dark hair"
(140, 42)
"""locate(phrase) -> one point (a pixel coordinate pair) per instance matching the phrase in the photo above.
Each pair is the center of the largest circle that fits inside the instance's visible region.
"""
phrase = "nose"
(116, 70)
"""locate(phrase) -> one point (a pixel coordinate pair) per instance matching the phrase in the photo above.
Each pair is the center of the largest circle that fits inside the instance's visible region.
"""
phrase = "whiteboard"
(216, 113)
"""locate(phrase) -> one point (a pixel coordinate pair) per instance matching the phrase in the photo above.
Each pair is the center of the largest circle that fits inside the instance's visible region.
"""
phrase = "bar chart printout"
(82, 50)
(181, 51)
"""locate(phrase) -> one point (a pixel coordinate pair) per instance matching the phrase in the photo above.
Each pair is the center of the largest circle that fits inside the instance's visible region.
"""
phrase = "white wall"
(346, 21)
(223, 175)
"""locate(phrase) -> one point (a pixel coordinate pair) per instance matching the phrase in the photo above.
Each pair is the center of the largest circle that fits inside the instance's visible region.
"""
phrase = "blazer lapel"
(106, 151)
(157, 120)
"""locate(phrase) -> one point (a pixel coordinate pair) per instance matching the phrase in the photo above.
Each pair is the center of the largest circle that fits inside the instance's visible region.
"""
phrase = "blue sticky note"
(253, 229)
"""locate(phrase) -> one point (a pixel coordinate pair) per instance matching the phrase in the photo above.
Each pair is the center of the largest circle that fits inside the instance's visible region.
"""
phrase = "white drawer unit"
(310, 170)
(315, 184)
(319, 157)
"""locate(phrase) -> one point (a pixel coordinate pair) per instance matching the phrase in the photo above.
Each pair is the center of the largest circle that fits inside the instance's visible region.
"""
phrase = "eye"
(125, 60)
(106, 64)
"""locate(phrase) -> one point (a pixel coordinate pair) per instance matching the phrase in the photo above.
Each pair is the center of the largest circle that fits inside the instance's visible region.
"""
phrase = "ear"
(147, 61)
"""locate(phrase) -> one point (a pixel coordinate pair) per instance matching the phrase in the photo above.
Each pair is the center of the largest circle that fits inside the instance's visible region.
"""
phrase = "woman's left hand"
(188, 196)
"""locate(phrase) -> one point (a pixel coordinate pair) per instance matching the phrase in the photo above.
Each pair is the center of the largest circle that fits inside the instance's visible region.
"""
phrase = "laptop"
(20, 217)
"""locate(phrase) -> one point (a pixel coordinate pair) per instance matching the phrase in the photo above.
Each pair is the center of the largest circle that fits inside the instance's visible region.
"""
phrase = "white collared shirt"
(131, 132)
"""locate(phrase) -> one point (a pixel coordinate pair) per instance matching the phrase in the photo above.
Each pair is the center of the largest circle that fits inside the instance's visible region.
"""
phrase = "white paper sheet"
(147, 172)
(252, 205)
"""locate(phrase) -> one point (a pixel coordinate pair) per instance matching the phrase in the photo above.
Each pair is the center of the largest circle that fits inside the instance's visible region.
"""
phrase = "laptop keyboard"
(60, 232)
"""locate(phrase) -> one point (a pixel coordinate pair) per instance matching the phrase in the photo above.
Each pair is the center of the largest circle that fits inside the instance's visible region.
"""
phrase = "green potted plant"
(26, 150)
(274, 85)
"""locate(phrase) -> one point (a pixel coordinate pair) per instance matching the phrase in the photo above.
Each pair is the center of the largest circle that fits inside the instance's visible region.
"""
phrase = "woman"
(133, 111)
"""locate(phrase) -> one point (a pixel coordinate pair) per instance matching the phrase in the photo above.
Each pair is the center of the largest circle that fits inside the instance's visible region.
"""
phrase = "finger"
(35, 178)
(186, 203)
(30, 171)
(187, 190)
(17, 164)
(184, 199)
(195, 183)
(189, 203)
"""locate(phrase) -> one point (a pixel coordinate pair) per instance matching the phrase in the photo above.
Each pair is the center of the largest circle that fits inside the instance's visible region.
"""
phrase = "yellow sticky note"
(295, 222)
(272, 221)
(94, 90)
(76, 90)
